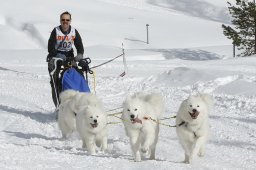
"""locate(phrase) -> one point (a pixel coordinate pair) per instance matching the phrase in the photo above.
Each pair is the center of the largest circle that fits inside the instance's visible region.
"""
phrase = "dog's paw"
(92, 153)
(188, 159)
(144, 149)
(137, 159)
(84, 146)
(63, 138)
(104, 150)
(200, 154)
(152, 157)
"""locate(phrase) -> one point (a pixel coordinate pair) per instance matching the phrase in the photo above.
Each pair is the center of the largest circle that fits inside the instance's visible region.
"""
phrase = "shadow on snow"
(187, 54)
(37, 116)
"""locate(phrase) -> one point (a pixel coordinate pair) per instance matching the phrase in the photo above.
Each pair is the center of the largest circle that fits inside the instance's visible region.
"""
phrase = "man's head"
(65, 20)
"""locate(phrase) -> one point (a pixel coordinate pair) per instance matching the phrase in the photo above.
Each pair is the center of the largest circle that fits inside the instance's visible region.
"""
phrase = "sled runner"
(68, 75)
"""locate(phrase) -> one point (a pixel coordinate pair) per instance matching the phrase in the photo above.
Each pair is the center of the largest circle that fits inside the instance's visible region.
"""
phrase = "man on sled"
(61, 55)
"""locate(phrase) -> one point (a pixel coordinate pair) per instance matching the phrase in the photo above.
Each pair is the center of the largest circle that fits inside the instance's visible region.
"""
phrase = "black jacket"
(52, 41)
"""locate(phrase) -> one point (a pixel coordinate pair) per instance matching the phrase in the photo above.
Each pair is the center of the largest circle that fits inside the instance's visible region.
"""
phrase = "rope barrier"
(107, 61)
(92, 72)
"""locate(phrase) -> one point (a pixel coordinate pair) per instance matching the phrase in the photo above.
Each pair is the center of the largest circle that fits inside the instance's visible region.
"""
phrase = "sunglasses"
(65, 20)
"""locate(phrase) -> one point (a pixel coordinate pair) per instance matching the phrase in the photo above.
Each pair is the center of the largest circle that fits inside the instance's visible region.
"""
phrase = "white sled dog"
(91, 121)
(140, 117)
(71, 102)
(192, 125)
(83, 112)
(66, 115)
(92, 126)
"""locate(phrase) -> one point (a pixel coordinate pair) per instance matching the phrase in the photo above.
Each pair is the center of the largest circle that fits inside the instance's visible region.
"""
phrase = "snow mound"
(245, 88)
(182, 76)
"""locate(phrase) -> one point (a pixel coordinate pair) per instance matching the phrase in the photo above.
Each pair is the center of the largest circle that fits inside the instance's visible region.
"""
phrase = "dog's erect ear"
(128, 99)
(83, 109)
(185, 103)
(207, 99)
(87, 107)
(190, 96)
(138, 94)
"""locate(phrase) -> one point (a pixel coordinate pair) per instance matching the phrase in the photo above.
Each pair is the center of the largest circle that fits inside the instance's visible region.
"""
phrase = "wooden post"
(147, 33)
(234, 50)
(254, 17)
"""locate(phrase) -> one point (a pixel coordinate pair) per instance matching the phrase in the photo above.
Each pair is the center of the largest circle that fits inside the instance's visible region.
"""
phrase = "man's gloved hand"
(79, 57)
(73, 63)
(62, 56)
(83, 63)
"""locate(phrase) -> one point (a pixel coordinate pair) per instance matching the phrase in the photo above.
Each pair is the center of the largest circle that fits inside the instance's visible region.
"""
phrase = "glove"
(83, 63)
(62, 56)
(73, 63)
(79, 57)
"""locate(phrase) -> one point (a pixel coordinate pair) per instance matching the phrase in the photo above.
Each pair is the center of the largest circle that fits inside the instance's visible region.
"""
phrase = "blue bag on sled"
(73, 80)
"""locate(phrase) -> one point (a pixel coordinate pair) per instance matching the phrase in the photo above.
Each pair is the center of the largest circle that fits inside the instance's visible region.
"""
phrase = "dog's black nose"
(95, 121)
(132, 116)
(194, 110)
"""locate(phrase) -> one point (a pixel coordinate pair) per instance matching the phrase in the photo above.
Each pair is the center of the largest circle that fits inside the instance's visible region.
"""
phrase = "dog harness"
(186, 125)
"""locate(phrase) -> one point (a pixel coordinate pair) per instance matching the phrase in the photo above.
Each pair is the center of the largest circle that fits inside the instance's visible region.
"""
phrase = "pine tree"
(244, 32)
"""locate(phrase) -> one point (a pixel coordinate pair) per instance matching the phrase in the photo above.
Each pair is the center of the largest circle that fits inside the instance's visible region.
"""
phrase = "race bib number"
(66, 45)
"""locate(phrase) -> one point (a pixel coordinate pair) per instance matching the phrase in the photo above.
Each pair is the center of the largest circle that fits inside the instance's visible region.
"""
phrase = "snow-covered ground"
(187, 53)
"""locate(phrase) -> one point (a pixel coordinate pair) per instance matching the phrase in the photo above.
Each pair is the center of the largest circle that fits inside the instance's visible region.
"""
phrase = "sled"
(72, 76)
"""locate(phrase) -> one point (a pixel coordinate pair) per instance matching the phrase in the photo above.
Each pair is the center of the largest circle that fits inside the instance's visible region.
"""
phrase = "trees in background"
(243, 31)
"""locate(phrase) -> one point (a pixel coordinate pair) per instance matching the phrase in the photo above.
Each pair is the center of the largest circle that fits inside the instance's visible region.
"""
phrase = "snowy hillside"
(187, 53)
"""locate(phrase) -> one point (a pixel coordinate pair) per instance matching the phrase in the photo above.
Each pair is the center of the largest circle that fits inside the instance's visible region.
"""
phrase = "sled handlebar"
(84, 63)
(55, 64)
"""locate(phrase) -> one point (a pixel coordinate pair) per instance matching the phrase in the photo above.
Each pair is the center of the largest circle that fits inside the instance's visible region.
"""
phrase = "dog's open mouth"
(94, 125)
(136, 120)
(194, 114)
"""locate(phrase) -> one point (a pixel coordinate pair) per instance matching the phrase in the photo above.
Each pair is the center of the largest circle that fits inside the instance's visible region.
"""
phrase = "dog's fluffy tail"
(67, 95)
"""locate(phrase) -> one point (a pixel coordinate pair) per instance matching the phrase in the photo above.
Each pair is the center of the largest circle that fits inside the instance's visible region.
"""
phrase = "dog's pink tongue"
(137, 120)
(94, 125)
(194, 114)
